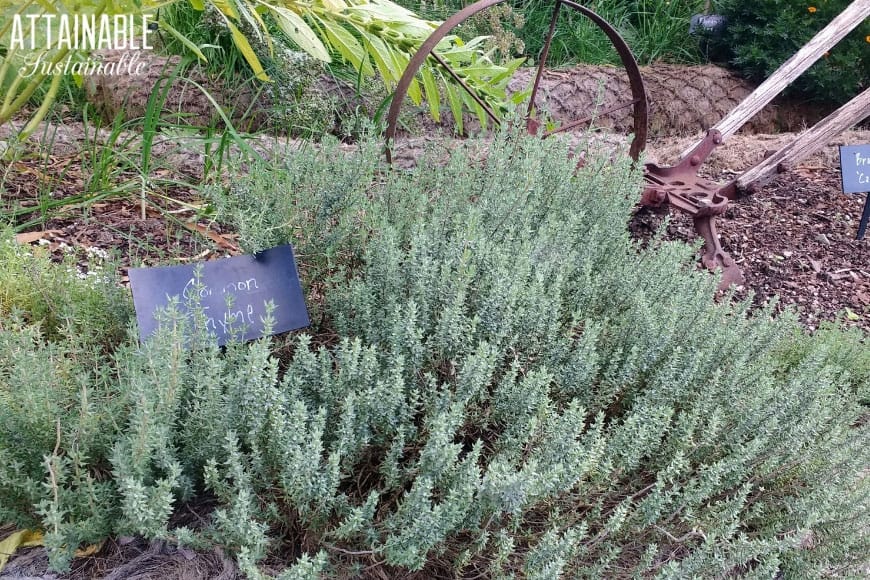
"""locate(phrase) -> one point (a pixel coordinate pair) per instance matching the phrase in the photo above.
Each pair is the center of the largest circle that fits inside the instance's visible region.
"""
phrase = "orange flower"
(811, 9)
(867, 38)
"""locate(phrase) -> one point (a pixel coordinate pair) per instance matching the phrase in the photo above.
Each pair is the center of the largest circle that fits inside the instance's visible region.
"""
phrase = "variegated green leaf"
(241, 42)
(299, 32)
(432, 95)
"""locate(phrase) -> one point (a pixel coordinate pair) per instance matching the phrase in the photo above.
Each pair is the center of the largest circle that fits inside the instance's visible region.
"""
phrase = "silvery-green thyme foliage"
(498, 383)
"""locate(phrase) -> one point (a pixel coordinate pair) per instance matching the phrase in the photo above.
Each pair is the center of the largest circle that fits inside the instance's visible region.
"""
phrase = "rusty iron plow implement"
(678, 186)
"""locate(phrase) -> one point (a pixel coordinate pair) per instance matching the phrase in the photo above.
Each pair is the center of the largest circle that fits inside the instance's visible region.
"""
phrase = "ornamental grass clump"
(499, 383)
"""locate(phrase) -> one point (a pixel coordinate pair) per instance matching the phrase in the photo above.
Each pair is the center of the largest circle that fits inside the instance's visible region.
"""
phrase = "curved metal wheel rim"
(638, 93)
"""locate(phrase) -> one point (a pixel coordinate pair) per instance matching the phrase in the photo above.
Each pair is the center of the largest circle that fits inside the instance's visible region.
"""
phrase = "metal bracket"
(681, 187)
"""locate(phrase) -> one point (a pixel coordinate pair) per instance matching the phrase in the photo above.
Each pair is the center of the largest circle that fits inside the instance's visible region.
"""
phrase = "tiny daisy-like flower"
(811, 9)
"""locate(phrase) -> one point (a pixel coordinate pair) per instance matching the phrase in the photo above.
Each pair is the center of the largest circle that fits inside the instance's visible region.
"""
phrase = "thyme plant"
(499, 383)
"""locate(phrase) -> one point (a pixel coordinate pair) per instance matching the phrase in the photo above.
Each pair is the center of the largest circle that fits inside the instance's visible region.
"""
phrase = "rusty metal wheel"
(637, 102)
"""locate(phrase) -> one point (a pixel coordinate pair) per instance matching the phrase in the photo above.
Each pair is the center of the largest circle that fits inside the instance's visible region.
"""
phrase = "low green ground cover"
(498, 382)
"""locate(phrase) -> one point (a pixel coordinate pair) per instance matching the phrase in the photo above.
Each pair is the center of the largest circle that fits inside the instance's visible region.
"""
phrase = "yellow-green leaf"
(383, 60)
(455, 102)
(474, 106)
(241, 42)
(520, 96)
(19, 539)
(347, 46)
(256, 23)
(334, 5)
(400, 63)
(414, 91)
(197, 5)
(300, 33)
(227, 8)
(182, 39)
(432, 95)
(508, 71)
(31, 538)
(392, 62)
(389, 11)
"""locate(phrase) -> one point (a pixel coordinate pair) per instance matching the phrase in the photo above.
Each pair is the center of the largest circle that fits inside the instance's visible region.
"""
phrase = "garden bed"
(177, 225)
(794, 239)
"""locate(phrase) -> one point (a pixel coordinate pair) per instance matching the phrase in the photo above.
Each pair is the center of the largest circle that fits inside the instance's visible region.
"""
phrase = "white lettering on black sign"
(232, 293)
(855, 168)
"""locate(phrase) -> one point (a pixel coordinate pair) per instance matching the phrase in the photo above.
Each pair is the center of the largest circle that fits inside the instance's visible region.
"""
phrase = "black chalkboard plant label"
(855, 172)
(233, 293)
(855, 166)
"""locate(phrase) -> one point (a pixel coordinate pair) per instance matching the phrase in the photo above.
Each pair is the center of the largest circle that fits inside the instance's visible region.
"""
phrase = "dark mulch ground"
(794, 239)
(797, 240)
(165, 225)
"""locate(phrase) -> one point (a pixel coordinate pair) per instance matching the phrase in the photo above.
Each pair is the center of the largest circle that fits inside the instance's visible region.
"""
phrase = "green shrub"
(654, 30)
(58, 398)
(762, 35)
(500, 384)
(62, 299)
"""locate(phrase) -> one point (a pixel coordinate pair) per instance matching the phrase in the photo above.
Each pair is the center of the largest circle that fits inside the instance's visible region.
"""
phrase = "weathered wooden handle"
(809, 142)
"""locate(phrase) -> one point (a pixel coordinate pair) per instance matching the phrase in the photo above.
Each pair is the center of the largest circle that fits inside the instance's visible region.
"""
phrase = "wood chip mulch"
(795, 239)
